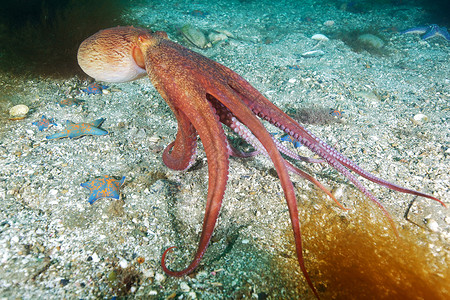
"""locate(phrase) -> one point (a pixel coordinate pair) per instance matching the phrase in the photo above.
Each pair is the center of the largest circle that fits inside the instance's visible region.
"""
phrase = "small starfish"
(44, 123)
(70, 102)
(76, 130)
(336, 112)
(429, 32)
(94, 88)
(103, 187)
(288, 138)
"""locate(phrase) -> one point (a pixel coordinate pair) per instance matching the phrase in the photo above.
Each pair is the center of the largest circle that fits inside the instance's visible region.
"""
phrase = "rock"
(18, 112)
(195, 36)
(328, 23)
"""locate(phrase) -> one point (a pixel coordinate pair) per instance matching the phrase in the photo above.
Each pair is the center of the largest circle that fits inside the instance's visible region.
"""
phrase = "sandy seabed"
(54, 244)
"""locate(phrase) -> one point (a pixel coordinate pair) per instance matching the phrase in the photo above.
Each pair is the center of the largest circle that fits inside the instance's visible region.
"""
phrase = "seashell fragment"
(215, 37)
(320, 37)
(419, 119)
(18, 112)
(313, 53)
(195, 36)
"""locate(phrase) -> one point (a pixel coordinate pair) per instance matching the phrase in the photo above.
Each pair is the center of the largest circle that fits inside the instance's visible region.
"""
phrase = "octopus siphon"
(205, 95)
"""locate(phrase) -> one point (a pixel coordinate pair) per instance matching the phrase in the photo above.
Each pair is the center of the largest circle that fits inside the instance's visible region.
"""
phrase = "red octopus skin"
(203, 95)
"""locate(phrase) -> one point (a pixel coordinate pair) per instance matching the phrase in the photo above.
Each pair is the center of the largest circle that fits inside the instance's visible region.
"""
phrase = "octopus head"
(113, 54)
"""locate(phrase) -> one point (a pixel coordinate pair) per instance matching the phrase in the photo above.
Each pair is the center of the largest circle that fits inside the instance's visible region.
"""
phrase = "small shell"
(18, 112)
(320, 37)
(195, 36)
(313, 53)
(419, 119)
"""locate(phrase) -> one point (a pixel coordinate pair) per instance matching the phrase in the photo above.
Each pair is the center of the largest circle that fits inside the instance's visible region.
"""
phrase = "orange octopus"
(203, 95)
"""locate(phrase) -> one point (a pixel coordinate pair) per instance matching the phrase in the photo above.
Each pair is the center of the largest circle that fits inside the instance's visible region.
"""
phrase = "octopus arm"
(231, 100)
(214, 141)
(267, 110)
(180, 154)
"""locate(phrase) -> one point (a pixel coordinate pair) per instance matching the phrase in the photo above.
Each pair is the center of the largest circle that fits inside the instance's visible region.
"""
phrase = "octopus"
(205, 96)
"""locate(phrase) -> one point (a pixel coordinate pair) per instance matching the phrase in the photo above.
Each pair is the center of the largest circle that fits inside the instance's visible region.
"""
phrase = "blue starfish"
(103, 187)
(76, 130)
(94, 88)
(336, 112)
(44, 123)
(288, 138)
(429, 32)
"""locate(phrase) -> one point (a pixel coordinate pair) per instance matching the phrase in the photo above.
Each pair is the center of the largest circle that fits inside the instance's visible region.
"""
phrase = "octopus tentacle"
(267, 110)
(231, 100)
(215, 145)
(295, 156)
(238, 153)
(243, 132)
(180, 154)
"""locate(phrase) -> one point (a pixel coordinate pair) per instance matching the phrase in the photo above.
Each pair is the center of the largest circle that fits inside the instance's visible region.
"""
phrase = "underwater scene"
(231, 149)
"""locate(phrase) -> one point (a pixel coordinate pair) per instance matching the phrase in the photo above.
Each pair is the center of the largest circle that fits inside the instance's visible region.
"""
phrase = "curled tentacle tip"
(166, 251)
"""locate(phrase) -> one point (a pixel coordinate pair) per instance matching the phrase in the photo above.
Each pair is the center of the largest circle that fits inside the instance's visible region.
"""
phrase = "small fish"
(429, 32)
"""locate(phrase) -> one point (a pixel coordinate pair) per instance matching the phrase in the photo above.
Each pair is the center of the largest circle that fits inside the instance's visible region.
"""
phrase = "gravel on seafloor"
(55, 245)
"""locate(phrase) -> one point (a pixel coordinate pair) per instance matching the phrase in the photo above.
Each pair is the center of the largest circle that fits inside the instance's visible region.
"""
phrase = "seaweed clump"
(121, 280)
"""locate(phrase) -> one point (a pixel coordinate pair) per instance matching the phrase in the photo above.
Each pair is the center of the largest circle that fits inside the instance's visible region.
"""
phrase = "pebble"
(419, 119)
(320, 37)
(160, 277)
(184, 287)
(433, 225)
(123, 264)
(95, 258)
(328, 23)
